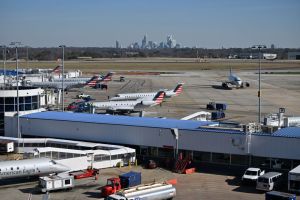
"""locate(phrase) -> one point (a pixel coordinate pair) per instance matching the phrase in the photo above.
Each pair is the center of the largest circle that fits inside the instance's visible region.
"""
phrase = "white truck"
(251, 175)
(56, 182)
(83, 96)
(294, 180)
(154, 191)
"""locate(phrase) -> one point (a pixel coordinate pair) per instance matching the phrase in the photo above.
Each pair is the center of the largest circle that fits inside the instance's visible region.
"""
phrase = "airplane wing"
(121, 108)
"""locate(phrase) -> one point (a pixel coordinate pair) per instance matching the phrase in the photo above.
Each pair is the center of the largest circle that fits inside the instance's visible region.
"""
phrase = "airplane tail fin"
(56, 69)
(108, 76)
(159, 97)
(178, 89)
(93, 81)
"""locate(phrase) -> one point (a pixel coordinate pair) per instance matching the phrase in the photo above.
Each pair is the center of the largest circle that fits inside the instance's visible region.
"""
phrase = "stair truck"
(153, 191)
(126, 180)
(294, 180)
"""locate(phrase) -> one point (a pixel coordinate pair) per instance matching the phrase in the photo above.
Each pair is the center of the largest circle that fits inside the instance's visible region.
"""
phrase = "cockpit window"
(53, 162)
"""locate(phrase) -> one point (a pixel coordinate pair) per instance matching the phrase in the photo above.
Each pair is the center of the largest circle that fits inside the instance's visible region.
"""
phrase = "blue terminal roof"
(10, 72)
(118, 120)
(293, 132)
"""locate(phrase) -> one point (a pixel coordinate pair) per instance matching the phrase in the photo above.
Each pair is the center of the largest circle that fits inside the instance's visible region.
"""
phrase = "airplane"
(30, 167)
(132, 96)
(106, 78)
(234, 80)
(130, 106)
(67, 85)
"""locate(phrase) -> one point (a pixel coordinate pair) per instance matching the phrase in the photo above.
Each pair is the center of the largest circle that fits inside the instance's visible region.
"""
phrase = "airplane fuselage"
(30, 167)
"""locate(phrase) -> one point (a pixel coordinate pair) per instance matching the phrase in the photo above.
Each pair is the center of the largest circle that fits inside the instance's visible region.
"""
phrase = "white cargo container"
(294, 180)
(56, 182)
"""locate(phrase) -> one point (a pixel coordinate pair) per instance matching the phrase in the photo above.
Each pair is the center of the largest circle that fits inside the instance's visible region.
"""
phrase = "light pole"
(16, 44)
(4, 63)
(27, 56)
(62, 75)
(259, 47)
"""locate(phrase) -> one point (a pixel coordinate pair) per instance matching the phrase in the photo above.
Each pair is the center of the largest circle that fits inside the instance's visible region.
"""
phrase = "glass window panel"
(34, 106)
(35, 99)
(9, 108)
(9, 100)
(28, 99)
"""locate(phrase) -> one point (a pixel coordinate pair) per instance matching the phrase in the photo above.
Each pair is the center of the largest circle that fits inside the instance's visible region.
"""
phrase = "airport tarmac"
(201, 87)
(199, 185)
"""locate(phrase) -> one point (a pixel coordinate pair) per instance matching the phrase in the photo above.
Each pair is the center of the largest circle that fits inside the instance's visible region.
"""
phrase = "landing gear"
(224, 85)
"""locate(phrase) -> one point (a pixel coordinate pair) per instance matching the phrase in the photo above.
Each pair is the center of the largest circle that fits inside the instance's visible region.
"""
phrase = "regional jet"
(30, 167)
(234, 80)
(67, 85)
(106, 78)
(130, 106)
(133, 96)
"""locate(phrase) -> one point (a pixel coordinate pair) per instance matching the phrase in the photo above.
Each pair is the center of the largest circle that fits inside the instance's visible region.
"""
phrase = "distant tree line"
(72, 53)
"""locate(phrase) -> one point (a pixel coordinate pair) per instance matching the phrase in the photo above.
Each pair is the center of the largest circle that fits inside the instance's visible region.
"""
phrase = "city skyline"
(202, 24)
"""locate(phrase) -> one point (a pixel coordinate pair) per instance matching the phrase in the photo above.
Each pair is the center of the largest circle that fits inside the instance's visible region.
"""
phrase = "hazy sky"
(209, 23)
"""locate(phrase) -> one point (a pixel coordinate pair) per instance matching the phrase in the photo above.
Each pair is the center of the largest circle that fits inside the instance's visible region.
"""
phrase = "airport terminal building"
(204, 141)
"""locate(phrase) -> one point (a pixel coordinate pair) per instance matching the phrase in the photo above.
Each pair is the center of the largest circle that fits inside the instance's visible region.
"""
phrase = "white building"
(156, 137)
(31, 99)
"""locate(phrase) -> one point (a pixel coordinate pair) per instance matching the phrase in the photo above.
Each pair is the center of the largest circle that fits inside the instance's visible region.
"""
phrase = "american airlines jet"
(106, 78)
(132, 96)
(130, 106)
(235, 81)
(67, 85)
(30, 167)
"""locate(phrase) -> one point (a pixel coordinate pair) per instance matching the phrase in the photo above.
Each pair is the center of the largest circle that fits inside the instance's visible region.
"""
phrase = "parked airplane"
(67, 85)
(30, 167)
(235, 81)
(106, 78)
(130, 106)
(132, 96)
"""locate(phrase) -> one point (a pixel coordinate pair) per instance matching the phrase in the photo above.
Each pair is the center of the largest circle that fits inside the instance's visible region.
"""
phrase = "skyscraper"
(144, 42)
(117, 44)
(171, 42)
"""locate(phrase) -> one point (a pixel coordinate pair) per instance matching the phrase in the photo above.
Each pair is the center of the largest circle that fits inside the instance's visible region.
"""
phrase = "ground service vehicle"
(274, 195)
(81, 96)
(85, 174)
(127, 180)
(56, 182)
(294, 180)
(6, 146)
(269, 181)
(251, 175)
(154, 191)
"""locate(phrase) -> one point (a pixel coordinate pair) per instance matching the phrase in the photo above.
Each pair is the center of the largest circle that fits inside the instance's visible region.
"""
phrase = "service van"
(269, 181)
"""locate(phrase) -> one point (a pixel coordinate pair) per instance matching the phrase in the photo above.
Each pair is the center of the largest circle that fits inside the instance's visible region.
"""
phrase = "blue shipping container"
(221, 106)
(130, 179)
(217, 115)
(274, 195)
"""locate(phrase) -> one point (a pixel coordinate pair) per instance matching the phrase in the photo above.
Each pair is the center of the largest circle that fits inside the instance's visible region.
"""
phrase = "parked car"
(269, 181)
(251, 175)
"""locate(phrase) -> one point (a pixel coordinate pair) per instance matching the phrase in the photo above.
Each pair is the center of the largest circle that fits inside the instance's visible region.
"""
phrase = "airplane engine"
(247, 84)
(147, 103)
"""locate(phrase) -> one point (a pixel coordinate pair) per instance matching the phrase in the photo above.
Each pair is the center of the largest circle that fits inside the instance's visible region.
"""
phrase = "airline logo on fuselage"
(178, 90)
(160, 98)
(18, 172)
